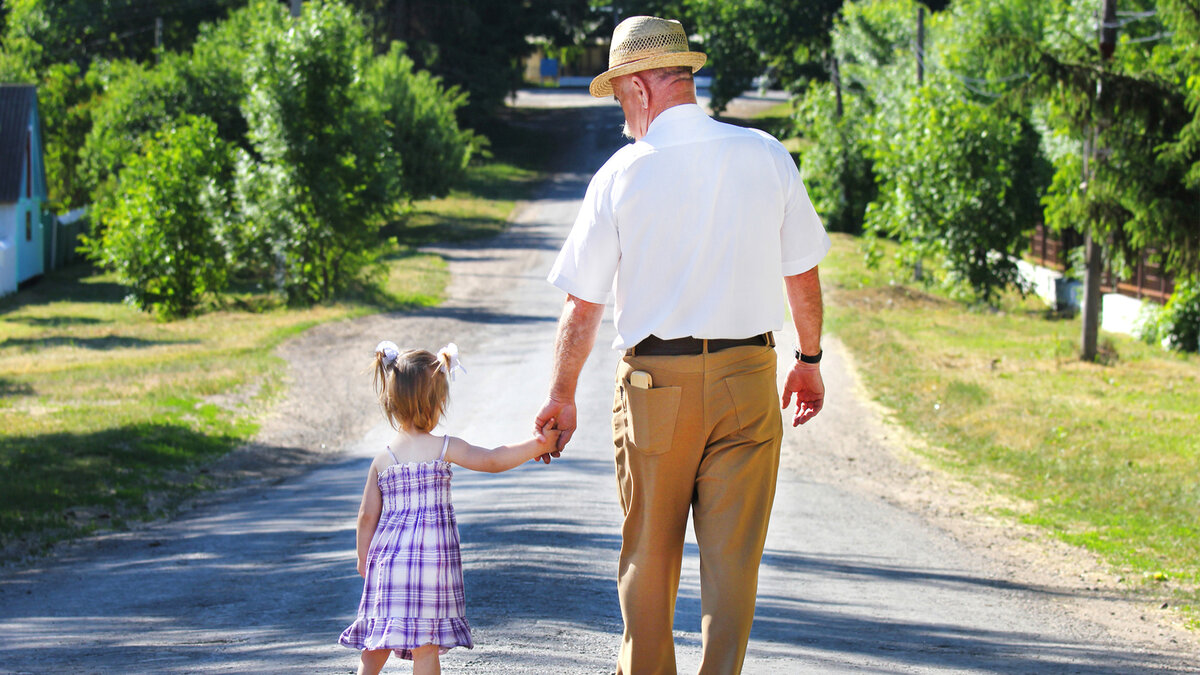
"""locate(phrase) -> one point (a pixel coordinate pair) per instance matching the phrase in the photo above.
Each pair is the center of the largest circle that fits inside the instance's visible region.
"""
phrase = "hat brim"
(601, 85)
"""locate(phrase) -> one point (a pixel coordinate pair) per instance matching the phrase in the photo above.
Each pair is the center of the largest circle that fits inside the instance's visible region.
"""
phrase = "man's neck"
(681, 93)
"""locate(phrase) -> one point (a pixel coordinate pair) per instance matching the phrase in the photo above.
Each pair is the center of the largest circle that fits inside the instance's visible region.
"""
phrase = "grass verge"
(108, 416)
(1102, 456)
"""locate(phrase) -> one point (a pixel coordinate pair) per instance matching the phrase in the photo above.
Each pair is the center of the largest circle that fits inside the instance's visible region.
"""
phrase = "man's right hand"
(562, 412)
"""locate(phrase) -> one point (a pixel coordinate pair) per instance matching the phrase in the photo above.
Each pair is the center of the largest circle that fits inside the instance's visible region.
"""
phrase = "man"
(692, 228)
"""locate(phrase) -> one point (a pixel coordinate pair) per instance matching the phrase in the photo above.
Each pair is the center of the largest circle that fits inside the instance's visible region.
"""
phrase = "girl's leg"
(426, 661)
(373, 660)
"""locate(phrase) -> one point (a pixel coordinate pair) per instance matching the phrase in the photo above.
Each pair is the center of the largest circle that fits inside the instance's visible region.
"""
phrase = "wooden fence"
(1148, 281)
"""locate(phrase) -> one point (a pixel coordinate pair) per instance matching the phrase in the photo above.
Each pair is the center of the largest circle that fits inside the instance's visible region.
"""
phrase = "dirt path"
(874, 562)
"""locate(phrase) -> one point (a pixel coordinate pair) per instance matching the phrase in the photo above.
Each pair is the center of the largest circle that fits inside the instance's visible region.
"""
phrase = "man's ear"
(641, 90)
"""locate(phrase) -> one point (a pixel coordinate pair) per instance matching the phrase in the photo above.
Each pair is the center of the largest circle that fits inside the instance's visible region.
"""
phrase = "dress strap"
(389, 449)
(445, 444)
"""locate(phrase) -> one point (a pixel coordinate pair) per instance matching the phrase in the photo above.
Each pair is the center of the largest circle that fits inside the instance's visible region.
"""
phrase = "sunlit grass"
(1105, 456)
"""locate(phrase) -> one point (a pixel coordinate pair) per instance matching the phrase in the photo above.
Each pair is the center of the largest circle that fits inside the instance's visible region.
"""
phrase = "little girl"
(413, 601)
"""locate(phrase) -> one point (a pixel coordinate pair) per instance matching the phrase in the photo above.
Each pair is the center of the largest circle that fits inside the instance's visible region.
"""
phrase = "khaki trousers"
(705, 437)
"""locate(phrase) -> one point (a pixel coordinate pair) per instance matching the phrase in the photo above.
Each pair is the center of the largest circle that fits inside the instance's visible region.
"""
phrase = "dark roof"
(15, 102)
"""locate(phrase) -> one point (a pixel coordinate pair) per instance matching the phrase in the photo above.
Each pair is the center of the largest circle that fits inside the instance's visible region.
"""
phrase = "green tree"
(138, 100)
(20, 60)
(874, 71)
(837, 166)
(142, 98)
(65, 97)
(1120, 117)
(475, 45)
(959, 183)
(318, 179)
(81, 31)
(788, 41)
(162, 234)
(419, 118)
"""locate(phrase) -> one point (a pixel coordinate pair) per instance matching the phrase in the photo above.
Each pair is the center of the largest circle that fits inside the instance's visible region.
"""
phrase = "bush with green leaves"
(162, 221)
(837, 167)
(419, 119)
(65, 99)
(321, 174)
(1176, 325)
(80, 31)
(958, 184)
(140, 98)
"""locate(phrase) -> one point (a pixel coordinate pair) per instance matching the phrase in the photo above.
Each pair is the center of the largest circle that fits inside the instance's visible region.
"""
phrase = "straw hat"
(642, 43)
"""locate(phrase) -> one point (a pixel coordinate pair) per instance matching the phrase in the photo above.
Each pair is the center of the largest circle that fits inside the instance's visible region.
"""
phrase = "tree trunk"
(1091, 300)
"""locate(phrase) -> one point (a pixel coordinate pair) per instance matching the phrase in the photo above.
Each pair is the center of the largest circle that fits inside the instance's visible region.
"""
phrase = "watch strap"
(805, 358)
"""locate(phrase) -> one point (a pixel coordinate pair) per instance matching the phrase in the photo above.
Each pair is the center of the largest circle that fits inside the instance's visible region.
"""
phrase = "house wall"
(31, 244)
(8, 249)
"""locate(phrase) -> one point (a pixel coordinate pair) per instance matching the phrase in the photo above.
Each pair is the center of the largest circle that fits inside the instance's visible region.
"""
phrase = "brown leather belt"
(656, 346)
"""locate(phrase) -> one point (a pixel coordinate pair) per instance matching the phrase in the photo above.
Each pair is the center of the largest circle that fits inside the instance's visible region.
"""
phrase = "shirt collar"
(679, 113)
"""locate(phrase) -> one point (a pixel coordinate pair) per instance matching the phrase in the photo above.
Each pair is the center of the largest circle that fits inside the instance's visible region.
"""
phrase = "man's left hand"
(805, 383)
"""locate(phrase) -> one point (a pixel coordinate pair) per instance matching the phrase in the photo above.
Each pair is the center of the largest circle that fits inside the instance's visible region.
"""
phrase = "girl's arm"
(368, 517)
(503, 458)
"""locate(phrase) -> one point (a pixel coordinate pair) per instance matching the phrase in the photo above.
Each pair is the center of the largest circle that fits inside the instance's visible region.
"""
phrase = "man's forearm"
(577, 330)
(804, 299)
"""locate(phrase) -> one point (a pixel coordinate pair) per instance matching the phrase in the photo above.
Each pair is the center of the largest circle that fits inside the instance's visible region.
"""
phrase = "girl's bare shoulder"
(381, 461)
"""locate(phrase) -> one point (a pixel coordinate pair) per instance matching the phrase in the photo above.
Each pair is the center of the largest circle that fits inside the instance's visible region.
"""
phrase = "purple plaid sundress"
(413, 591)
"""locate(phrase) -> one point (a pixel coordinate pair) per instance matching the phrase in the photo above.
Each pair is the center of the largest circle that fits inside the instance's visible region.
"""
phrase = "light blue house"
(22, 187)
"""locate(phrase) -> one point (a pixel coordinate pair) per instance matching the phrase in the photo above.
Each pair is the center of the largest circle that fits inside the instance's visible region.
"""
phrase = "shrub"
(957, 184)
(161, 232)
(836, 167)
(321, 174)
(1176, 325)
(419, 116)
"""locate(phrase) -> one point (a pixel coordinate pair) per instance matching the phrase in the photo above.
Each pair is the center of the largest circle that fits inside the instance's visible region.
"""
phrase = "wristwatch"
(805, 358)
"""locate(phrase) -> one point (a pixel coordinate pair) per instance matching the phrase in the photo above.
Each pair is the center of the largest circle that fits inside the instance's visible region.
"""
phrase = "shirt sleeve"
(802, 238)
(587, 263)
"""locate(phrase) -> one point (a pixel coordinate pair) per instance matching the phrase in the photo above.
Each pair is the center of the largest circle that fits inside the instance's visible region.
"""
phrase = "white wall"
(8, 248)
(1118, 313)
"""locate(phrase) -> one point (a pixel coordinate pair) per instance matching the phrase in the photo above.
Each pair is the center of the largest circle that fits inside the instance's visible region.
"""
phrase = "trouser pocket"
(756, 402)
(646, 418)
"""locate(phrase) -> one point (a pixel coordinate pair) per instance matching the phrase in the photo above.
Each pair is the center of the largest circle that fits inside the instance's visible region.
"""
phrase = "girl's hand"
(362, 568)
(547, 440)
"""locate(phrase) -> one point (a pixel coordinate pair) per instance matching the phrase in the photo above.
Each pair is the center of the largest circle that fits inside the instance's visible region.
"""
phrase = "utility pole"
(918, 266)
(920, 45)
(158, 38)
(1093, 251)
(295, 8)
(836, 76)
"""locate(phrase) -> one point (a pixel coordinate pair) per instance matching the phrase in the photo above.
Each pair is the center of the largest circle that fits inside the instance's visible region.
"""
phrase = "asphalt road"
(264, 581)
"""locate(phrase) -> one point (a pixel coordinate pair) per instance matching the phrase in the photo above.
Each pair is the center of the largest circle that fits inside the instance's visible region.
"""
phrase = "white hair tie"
(389, 350)
(448, 361)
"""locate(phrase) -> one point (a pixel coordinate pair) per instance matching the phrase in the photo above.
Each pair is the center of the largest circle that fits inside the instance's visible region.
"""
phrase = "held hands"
(557, 415)
(547, 439)
(804, 381)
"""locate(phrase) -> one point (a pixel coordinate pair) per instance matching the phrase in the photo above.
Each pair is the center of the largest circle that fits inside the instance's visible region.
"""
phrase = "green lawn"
(107, 415)
(1103, 456)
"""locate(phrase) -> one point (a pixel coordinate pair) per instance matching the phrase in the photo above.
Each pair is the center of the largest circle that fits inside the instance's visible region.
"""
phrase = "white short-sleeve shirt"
(691, 230)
